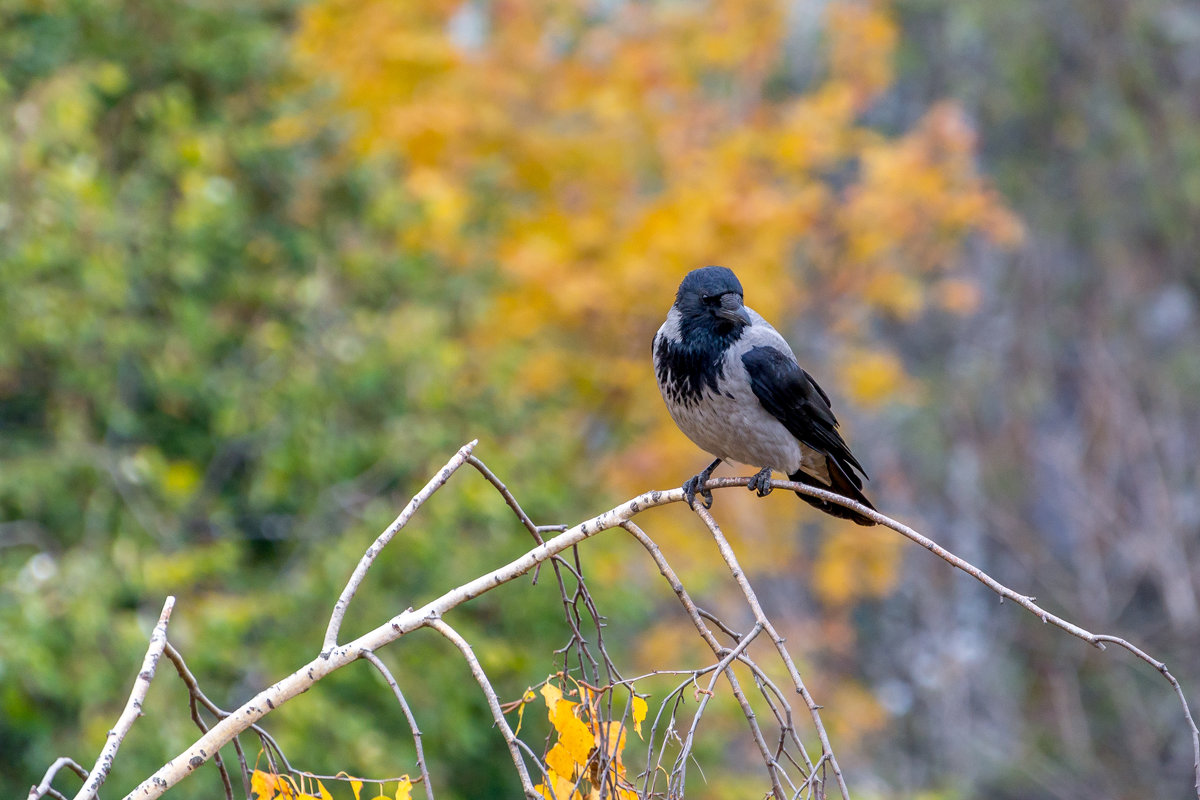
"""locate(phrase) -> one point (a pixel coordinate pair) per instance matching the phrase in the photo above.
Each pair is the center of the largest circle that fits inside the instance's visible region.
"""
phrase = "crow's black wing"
(790, 394)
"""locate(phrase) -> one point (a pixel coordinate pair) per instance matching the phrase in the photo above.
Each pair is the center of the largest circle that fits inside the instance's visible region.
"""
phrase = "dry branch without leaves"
(133, 709)
(790, 769)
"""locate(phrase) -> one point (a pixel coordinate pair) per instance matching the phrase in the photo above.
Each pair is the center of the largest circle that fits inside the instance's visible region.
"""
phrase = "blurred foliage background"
(265, 265)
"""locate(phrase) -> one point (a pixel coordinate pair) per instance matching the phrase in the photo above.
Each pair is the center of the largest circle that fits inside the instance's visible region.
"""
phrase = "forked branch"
(579, 606)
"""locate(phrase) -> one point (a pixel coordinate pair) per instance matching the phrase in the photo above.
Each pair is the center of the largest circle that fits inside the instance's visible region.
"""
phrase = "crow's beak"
(733, 310)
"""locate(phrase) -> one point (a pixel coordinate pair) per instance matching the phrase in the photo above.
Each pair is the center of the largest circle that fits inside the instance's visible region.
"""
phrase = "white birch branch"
(364, 564)
(133, 707)
(493, 701)
(44, 787)
(337, 657)
(377, 662)
(333, 656)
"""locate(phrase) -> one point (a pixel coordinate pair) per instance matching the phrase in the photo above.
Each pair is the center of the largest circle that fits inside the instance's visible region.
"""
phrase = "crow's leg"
(693, 486)
(761, 482)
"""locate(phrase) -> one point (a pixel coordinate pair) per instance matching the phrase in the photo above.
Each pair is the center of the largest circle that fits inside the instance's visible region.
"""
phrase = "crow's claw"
(760, 482)
(694, 486)
(691, 488)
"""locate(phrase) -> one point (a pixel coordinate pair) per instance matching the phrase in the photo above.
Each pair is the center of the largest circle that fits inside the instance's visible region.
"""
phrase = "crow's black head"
(710, 302)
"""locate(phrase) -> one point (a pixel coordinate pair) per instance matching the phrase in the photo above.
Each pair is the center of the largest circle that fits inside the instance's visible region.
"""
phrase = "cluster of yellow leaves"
(593, 154)
(269, 786)
(587, 754)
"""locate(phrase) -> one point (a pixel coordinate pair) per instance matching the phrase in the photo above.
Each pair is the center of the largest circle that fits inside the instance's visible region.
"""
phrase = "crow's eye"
(711, 299)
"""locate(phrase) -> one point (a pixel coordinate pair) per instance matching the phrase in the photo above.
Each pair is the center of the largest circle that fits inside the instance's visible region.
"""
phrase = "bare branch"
(412, 721)
(1187, 712)
(493, 701)
(579, 607)
(364, 564)
(685, 751)
(133, 707)
(697, 616)
(535, 530)
(44, 788)
(1024, 601)
(752, 599)
(196, 697)
(332, 659)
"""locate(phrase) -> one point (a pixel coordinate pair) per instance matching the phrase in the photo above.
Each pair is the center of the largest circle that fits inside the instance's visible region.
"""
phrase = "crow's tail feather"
(841, 484)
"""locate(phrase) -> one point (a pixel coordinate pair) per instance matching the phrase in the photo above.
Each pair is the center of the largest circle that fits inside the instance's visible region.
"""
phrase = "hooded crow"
(733, 386)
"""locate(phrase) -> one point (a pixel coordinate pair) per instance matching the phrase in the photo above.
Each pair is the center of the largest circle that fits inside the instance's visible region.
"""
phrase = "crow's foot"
(761, 482)
(694, 486)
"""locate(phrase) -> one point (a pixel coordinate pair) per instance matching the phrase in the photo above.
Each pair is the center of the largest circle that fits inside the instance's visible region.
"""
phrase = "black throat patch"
(686, 367)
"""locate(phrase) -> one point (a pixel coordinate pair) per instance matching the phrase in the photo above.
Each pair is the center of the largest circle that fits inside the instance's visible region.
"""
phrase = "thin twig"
(715, 620)
(751, 596)
(681, 760)
(698, 616)
(133, 707)
(493, 701)
(196, 696)
(535, 531)
(44, 788)
(1162, 669)
(653, 766)
(412, 721)
(1026, 602)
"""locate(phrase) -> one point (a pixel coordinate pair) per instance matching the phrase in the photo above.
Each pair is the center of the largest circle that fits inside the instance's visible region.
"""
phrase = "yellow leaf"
(552, 694)
(325, 795)
(356, 787)
(573, 734)
(404, 789)
(268, 785)
(559, 760)
(526, 698)
(262, 784)
(638, 709)
(612, 737)
(564, 788)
